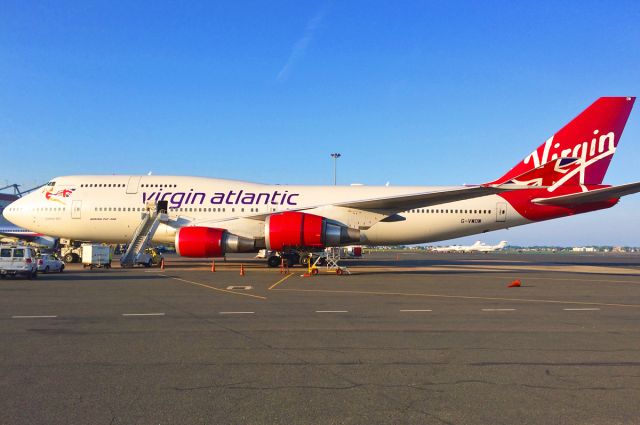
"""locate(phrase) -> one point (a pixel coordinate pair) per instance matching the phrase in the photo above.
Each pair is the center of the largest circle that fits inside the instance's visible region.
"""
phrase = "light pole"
(335, 157)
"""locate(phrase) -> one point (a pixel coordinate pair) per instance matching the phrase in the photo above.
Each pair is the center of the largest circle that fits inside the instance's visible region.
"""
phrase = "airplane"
(476, 247)
(208, 217)
(482, 247)
(449, 248)
(456, 248)
(12, 234)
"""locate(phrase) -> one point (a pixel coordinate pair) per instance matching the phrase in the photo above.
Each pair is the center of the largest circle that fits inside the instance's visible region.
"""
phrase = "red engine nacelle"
(294, 229)
(208, 242)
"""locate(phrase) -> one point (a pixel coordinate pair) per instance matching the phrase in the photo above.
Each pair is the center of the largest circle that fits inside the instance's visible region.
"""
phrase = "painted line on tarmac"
(237, 312)
(33, 317)
(581, 309)
(280, 281)
(208, 268)
(332, 311)
(461, 297)
(213, 287)
(142, 314)
(414, 311)
(583, 280)
(498, 309)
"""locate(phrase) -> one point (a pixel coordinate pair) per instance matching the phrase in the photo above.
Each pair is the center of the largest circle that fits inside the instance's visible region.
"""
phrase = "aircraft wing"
(596, 195)
(423, 199)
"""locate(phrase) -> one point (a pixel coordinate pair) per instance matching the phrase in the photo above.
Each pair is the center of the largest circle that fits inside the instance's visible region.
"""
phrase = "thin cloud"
(300, 46)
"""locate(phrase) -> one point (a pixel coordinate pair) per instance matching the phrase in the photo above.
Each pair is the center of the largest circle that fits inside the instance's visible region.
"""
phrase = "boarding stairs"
(135, 254)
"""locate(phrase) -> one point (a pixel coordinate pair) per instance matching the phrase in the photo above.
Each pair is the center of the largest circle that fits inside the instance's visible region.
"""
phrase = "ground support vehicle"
(49, 263)
(18, 260)
(95, 255)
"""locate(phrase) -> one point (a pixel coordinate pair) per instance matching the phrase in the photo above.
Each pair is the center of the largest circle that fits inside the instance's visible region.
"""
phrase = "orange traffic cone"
(213, 264)
(162, 264)
(241, 269)
(515, 284)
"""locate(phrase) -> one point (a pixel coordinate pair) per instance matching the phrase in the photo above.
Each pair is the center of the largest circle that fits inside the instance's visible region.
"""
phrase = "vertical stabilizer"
(591, 137)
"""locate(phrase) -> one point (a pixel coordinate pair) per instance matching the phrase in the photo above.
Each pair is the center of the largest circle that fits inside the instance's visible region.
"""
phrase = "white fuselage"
(108, 209)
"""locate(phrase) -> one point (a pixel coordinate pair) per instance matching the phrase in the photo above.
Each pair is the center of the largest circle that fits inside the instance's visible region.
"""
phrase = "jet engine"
(294, 229)
(208, 242)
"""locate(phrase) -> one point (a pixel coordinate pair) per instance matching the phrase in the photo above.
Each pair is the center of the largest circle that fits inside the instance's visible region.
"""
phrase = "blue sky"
(411, 93)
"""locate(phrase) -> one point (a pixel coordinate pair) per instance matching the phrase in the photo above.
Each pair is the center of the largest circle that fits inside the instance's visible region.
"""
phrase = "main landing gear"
(292, 258)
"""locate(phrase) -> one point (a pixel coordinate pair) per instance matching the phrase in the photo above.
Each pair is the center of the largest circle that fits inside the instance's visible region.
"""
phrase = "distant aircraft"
(450, 248)
(207, 217)
(481, 247)
(10, 233)
(476, 247)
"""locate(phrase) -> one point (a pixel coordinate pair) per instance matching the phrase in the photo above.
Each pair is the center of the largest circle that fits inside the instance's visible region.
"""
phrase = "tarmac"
(406, 338)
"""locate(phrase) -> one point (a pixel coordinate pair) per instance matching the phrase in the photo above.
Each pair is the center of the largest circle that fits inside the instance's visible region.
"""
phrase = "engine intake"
(294, 229)
(208, 242)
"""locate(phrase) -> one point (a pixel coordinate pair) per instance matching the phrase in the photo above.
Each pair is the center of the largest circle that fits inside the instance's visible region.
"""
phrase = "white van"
(18, 260)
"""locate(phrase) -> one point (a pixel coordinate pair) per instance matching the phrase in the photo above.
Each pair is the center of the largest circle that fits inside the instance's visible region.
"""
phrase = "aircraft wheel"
(68, 258)
(274, 261)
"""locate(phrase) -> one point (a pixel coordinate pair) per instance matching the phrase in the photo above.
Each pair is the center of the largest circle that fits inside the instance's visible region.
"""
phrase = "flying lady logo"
(58, 195)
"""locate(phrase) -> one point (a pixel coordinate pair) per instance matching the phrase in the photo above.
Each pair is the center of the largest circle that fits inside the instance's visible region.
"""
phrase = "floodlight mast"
(335, 157)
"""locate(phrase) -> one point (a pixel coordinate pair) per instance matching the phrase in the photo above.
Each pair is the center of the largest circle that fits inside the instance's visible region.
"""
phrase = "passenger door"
(132, 184)
(76, 209)
(501, 212)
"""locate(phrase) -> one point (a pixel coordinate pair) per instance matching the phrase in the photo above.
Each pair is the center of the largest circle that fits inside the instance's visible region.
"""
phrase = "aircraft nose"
(13, 212)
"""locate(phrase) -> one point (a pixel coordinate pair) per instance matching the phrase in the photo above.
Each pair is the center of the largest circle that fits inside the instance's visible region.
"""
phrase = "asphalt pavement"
(407, 338)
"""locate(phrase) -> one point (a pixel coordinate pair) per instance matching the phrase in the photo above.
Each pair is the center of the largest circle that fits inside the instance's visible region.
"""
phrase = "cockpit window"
(51, 183)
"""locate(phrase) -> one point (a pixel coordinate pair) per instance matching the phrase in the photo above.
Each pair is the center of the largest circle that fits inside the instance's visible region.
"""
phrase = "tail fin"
(591, 137)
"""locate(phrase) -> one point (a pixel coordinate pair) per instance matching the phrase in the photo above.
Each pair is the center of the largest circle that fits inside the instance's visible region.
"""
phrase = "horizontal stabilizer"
(596, 195)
